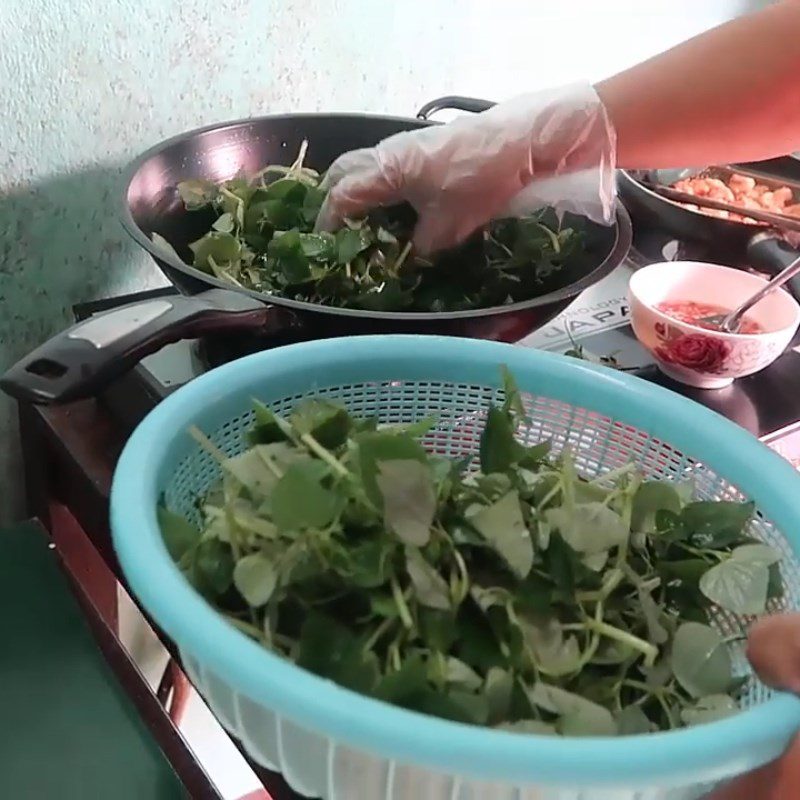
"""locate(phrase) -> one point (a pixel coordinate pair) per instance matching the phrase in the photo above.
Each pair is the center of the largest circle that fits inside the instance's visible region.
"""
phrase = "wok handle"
(456, 103)
(770, 253)
(84, 359)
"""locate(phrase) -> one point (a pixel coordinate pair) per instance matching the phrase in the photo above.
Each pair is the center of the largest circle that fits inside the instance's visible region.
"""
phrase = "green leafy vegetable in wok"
(510, 592)
(262, 237)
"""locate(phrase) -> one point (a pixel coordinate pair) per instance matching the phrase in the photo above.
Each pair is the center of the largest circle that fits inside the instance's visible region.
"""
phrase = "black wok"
(85, 358)
(734, 242)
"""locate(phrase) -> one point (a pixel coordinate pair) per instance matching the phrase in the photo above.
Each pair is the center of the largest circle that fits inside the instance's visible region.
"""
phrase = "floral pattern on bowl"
(707, 359)
(709, 355)
(695, 351)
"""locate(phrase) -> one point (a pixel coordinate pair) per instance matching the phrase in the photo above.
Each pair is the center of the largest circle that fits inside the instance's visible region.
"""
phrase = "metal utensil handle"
(456, 103)
(776, 220)
(732, 320)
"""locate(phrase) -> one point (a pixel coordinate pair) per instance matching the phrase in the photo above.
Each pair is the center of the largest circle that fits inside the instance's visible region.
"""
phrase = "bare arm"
(731, 94)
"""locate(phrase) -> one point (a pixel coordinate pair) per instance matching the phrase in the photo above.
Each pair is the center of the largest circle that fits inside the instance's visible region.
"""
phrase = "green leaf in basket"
(503, 526)
(554, 653)
(327, 421)
(576, 715)
(700, 660)
(462, 675)
(438, 629)
(299, 500)
(430, 589)
(409, 499)
(632, 721)
(709, 709)
(375, 447)
(266, 428)
(737, 586)
(650, 498)
(509, 590)
(179, 535)
(513, 398)
(404, 684)
(498, 688)
(716, 523)
(566, 570)
(756, 554)
(652, 613)
(470, 707)
(213, 567)
(255, 578)
(532, 727)
(589, 528)
(252, 472)
(368, 565)
(330, 650)
(499, 448)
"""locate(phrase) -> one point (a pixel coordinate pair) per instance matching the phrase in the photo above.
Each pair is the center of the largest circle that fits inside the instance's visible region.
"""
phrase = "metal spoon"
(731, 322)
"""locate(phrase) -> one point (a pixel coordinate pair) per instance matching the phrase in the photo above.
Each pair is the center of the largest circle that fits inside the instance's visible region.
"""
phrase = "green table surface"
(68, 729)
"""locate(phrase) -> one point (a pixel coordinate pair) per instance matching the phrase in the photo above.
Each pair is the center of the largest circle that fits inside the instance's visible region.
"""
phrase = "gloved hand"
(554, 147)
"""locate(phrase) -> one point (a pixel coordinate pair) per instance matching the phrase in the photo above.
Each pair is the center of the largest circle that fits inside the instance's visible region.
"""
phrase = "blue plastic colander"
(331, 743)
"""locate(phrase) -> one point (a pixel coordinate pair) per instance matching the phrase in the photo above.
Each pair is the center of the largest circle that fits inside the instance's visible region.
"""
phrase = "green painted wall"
(85, 85)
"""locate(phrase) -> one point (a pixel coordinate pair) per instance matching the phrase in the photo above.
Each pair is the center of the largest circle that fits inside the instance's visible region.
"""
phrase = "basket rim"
(704, 753)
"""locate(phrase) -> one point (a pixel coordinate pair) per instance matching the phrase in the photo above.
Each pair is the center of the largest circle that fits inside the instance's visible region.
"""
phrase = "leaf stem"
(207, 445)
(464, 574)
(245, 627)
(318, 450)
(233, 532)
(594, 643)
(613, 474)
(554, 240)
(270, 464)
(402, 257)
(663, 703)
(301, 157)
(400, 602)
(549, 496)
(627, 515)
(610, 583)
(384, 626)
(649, 651)
(647, 688)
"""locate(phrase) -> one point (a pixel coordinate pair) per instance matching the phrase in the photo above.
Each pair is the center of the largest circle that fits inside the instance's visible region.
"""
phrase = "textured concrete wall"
(85, 85)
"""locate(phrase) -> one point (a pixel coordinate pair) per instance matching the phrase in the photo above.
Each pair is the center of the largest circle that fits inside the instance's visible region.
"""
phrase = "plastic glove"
(550, 148)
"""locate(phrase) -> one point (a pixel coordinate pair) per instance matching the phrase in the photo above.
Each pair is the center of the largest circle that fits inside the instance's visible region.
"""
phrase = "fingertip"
(437, 230)
(327, 219)
(773, 649)
(346, 201)
(428, 237)
(340, 203)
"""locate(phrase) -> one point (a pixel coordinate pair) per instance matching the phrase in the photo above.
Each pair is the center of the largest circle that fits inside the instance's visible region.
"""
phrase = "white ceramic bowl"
(696, 356)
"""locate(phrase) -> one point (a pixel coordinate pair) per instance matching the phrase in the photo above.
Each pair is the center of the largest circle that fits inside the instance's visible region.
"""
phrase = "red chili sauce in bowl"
(693, 313)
